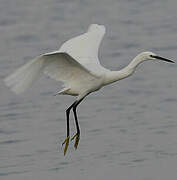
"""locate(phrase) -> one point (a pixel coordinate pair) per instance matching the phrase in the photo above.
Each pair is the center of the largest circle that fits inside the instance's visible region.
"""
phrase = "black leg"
(67, 118)
(66, 141)
(75, 115)
(77, 135)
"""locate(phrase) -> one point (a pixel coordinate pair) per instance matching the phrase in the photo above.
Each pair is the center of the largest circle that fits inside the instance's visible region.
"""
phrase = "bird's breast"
(87, 85)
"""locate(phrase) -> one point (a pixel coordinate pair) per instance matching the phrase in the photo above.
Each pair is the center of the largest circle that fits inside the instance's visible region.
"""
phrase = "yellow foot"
(77, 136)
(66, 142)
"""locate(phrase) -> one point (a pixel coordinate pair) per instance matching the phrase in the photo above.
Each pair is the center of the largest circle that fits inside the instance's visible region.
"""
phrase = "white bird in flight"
(77, 65)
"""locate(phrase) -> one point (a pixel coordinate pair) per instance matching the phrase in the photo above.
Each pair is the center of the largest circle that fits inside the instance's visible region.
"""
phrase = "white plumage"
(76, 64)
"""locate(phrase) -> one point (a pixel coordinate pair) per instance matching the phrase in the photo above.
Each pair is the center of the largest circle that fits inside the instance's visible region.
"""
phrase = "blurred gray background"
(128, 129)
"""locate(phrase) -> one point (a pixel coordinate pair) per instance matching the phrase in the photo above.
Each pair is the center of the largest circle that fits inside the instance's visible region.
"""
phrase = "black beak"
(162, 59)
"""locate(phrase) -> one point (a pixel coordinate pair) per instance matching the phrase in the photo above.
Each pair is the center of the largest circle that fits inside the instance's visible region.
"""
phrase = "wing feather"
(58, 65)
(84, 48)
(62, 67)
(76, 61)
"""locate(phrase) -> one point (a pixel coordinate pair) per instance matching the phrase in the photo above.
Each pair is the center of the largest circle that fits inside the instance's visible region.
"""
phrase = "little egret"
(77, 65)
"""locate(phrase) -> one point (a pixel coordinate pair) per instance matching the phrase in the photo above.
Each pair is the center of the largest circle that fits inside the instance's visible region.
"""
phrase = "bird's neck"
(114, 76)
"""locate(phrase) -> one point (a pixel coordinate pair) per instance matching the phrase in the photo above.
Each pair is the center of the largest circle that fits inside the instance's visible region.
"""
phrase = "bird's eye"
(152, 56)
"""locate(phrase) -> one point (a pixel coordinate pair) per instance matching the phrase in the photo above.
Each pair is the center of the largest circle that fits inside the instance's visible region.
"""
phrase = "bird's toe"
(77, 138)
(66, 142)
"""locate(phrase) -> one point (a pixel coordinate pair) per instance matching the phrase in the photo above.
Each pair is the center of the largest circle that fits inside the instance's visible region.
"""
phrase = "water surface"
(128, 129)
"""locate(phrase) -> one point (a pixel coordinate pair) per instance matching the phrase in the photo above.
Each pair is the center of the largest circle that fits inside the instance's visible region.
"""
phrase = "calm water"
(128, 129)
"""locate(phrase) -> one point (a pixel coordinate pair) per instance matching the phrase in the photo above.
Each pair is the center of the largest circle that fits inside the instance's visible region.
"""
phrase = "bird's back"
(76, 64)
(84, 48)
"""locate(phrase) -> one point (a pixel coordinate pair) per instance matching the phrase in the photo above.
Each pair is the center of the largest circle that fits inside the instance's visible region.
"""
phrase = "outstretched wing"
(77, 59)
(84, 48)
(59, 66)
(62, 67)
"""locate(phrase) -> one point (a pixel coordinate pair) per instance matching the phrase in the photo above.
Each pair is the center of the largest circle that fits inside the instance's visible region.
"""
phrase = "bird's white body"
(76, 64)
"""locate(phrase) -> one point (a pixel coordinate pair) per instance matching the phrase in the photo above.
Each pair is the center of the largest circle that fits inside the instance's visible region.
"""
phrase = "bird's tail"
(23, 77)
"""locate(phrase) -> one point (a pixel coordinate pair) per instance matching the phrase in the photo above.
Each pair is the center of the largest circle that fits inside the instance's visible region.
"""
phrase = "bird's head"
(152, 56)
